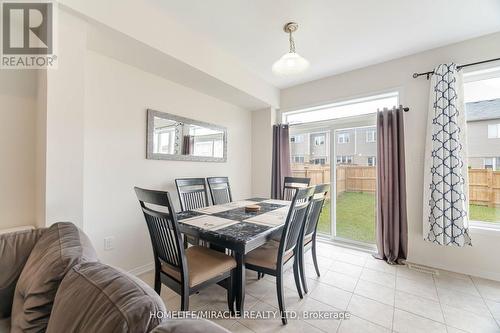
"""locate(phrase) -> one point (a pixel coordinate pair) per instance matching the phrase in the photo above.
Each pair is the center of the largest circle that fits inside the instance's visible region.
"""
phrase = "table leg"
(240, 281)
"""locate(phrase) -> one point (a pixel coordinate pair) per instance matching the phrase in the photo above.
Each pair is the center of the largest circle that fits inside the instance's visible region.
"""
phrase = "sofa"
(52, 281)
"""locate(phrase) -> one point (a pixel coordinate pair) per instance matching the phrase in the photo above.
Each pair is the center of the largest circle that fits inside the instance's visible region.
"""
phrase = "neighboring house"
(355, 146)
(483, 134)
(310, 148)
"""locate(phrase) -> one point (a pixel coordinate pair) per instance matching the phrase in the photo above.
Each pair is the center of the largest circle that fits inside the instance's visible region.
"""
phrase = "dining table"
(231, 226)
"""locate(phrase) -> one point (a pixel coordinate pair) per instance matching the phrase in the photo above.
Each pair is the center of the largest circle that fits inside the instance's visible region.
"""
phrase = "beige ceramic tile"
(419, 305)
(332, 296)
(469, 322)
(376, 312)
(384, 279)
(409, 322)
(375, 291)
(359, 325)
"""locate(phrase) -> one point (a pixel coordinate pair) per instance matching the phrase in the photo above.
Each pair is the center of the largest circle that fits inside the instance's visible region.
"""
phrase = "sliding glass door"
(337, 144)
(310, 158)
(354, 173)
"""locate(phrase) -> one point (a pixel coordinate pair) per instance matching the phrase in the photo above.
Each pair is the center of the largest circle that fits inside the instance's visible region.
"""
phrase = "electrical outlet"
(108, 243)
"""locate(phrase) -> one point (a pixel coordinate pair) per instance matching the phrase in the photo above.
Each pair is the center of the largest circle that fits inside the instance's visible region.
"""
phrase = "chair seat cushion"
(95, 297)
(203, 264)
(266, 255)
(59, 248)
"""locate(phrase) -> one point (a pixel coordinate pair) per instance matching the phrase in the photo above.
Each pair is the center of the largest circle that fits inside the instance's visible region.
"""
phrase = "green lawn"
(356, 216)
(485, 214)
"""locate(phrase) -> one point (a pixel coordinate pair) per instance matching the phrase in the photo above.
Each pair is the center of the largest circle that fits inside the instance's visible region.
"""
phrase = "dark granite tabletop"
(240, 232)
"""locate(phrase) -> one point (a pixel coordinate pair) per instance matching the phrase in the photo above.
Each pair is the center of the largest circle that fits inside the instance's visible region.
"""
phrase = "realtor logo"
(27, 35)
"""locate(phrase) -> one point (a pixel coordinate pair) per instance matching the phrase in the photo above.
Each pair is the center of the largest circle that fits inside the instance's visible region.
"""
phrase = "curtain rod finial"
(415, 75)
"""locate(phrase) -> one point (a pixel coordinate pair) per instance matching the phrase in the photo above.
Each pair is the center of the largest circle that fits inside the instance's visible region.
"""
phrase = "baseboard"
(142, 269)
(472, 272)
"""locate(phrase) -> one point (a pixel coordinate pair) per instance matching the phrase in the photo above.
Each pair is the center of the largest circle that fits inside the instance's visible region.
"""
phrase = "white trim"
(327, 103)
(142, 269)
(485, 227)
(348, 244)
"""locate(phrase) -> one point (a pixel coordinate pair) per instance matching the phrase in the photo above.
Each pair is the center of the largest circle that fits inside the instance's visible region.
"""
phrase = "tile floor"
(379, 297)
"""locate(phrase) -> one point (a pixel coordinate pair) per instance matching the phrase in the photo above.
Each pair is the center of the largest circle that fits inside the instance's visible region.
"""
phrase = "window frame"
(373, 135)
(473, 76)
(346, 138)
(323, 139)
(496, 129)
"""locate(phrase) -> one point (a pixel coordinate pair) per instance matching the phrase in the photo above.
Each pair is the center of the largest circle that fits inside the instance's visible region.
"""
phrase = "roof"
(483, 110)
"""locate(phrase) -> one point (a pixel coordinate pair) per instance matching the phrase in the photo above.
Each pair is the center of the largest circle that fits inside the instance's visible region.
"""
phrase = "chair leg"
(297, 277)
(302, 268)
(230, 292)
(157, 282)
(258, 275)
(315, 259)
(281, 302)
(185, 299)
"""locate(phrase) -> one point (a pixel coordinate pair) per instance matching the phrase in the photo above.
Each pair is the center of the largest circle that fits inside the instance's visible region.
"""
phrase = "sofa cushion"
(59, 248)
(15, 248)
(189, 325)
(5, 325)
(94, 297)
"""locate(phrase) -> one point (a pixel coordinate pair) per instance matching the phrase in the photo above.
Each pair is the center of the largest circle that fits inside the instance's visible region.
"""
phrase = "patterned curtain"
(445, 179)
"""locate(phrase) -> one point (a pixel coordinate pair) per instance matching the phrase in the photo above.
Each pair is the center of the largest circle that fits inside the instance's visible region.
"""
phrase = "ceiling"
(334, 35)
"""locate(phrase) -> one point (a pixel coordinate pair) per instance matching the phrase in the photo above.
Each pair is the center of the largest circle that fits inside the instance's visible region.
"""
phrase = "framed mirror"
(171, 137)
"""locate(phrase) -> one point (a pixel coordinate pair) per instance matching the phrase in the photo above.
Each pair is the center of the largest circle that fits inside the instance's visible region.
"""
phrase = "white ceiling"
(334, 35)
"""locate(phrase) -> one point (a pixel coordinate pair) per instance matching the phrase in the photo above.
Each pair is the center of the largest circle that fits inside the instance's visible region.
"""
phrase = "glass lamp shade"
(289, 64)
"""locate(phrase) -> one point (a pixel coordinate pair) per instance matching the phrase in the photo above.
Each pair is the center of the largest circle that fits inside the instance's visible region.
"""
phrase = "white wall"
(481, 259)
(17, 147)
(262, 149)
(116, 98)
(222, 73)
(64, 125)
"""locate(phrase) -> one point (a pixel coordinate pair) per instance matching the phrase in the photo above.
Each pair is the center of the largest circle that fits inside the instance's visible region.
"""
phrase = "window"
(321, 161)
(489, 163)
(482, 109)
(344, 159)
(164, 141)
(298, 159)
(343, 138)
(297, 138)
(370, 136)
(372, 161)
(494, 131)
(347, 108)
(319, 140)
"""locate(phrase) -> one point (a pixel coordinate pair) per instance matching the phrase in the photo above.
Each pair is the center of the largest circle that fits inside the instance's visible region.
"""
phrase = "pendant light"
(291, 63)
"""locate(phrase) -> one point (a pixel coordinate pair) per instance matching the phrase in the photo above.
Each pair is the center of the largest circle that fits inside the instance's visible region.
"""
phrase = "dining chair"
(185, 271)
(220, 191)
(307, 238)
(271, 257)
(192, 193)
(291, 184)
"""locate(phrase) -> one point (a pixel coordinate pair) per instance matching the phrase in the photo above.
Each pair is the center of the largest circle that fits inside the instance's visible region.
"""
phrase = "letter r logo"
(27, 28)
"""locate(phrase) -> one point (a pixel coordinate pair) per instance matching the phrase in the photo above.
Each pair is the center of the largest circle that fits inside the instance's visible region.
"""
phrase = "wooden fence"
(484, 184)
(484, 187)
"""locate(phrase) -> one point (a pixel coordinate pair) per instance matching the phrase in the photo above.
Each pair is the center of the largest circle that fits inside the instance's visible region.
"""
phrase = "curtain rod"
(428, 74)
